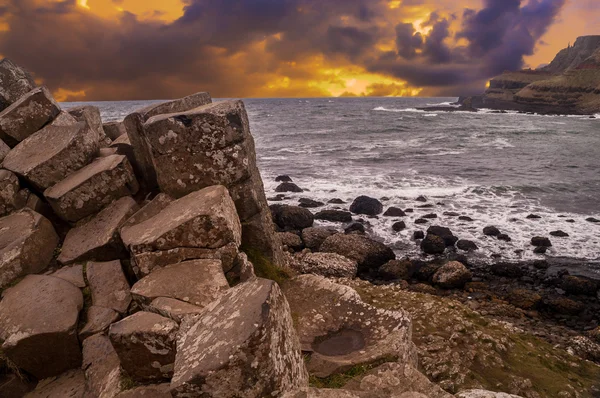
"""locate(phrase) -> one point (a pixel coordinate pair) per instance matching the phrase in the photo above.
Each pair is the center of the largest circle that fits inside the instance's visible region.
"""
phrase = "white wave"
(430, 115)
(383, 109)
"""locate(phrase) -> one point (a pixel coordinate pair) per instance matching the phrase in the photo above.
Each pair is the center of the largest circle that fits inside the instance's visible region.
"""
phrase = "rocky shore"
(141, 259)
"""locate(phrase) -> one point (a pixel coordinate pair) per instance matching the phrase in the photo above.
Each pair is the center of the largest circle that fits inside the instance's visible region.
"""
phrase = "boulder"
(291, 217)
(99, 239)
(101, 366)
(27, 244)
(420, 221)
(444, 233)
(52, 154)
(421, 198)
(288, 187)
(315, 236)
(366, 205)
(340, 331)
(433, 244)
(466, 245)
(108, 285)
(114, 130)
(491, 231)
(291, 241)
(145, 344)
(283, 178)
(148, 210)
(430, 216)
(397, 270)
(91, 188)
(173, 308)
(369, 254)
(4, 150)
(330, 265)
(579, 285)
(465, 218)
(27, 115)
(399, 226)
(98, 320)
(336, 201)
(592, 220)
(38, 325)
(355, 228)
(70, 384)
(453, 275)
(418, 235)
(508, 270)
(197, 282)
(15, 82)
(539, 241)
(504, 237)
(334, 216)
(9, 190)
(123, 147)
(91, 116)
(559, 234)
(72, 274)
(524, 299)
(563, 305)
(309, 203)
(242, 344)
(394, 212)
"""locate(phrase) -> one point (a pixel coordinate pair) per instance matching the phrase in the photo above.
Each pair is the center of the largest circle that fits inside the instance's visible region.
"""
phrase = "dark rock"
(418, 235)
(409, 210)
(533, 217)
(453, 275)
(541, 264)
(426, 206)
(592, 220)
(504, 237)
(394, 212)
(355, 228)
(509, 270)
(108, 285)
(421, 199)
(291, 217)
(399, 226)
(444, 233)
(579, 285)
(430, 216)
(559, 234)
(540, 250)
(425, 272)
(491, 231)
(283, 178)
(563, 305)
(369, 254)
(570, 221)
(334, 216)
(314, 237)
(397, 270)
(539, 241)
(309, 203)
(291, 240)
(288, 187)
(433, 244)
(524, 299)
(366, 205)
(420, 221)
(465, 218)
(466, 245)
(336, 201)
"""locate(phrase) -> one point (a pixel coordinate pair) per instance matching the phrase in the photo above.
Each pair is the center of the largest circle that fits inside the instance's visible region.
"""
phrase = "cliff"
(572, 56)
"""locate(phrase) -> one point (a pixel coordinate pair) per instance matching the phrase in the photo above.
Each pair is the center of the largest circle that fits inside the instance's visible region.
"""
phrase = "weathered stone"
(394, 212)
(73, 274)
(330, 265)
(101, 367)
(70, 384)
(108, 285)
(198, 282)
(334, 216)
(433, 244)
(145, 344)
(27, 243)
(123, 147)
(98, 321)
(309, 392)
(491, 231)
(289, 218)
(579, 285)
(15, 82)
(134, 125)
(203, 219)
(172, 308)
(9, 189)
(104, 152)
(99, 239)
(154, 391)
(340, 330)
(314, 237)
(288, 187)
(523, 298)
(397, 270)
(4, 150)
(52, 154)
(466, 245)
(242, 344)
(291, 241)
(88, 190)
(540, 241)
(452, 275)
(366, 252)
(38, 325)
(444, 233)
(484, 394)
(366, 205)
(178, 105)
(91, 115)
(114, 130)
(27, 115)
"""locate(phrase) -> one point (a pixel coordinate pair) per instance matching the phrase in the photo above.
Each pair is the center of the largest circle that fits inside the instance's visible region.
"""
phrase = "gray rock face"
(329, 265)
(197, 282)
(101, 366)
(145, 343)
(241, 344)
(53, 153)
(99, 238)
(70, 384)
(341, 331)
(9, 188)
(366, 252)
(38, 325)
(98, 321)
(15, 82)
(27, 115)
(452, 275)
(91, 116)
(88, 190)
(27, 243)
(114, 130)
(108, 285)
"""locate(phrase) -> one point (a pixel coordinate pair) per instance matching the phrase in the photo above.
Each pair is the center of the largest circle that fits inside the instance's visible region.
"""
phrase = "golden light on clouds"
(161, 10)
(83, 3)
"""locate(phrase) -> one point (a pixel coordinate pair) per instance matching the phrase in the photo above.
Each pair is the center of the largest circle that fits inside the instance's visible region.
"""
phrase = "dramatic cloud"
(139, 49)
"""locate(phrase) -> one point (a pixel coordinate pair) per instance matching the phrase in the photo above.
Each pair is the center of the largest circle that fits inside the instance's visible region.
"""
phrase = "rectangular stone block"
(15, 82)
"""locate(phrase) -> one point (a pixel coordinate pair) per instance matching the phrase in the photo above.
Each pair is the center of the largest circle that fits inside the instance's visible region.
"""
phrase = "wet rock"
(27, 115)
(592, 220)
(563, 305)
(491, 231)
(504, 237)
(340, 330)
(355, 228)
(336, 201)
(27, 244)
(444, 233)
(91, 188)
(52, 154)
(433, 244)
(394, 212)
(315, 236)
(283, 178)
(421, 199)
(524, 299)
(9, 190)
(540, 250)
(539, 241)
(366, 205)
(16, 82)
(397, 270)
(98, 321)
(465, 218)
(466, 245)
(291, 240)
(420, 221)
(288, 187)
(145, 344)
(508, 270)
(399, 226)
(330, 265)
(91, 115)
(559, 234)
(242, 344)
(114, 130)
(70, 384)
(291, 217)
(451, 214)
(101, 367)
(334, 216)
(484, 394)
(579, 285)
(39, 315)
(173, 308)
(108, 285)
(533, 217)
(197, 282)
(430, 216)
(309, 203)
(417, 235)
(453, 275)
(99, 238)
(369, 254)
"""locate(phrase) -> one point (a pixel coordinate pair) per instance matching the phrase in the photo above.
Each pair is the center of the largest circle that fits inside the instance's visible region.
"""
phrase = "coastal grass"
(339, 380)
(264, 268)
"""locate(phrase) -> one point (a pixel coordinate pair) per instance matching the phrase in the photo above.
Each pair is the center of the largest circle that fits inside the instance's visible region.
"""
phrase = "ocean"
(495, 168)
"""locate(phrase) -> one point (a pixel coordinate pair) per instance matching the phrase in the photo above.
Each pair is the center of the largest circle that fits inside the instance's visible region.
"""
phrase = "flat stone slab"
(340, 330)
(368, 253)
(101, 366)
(27, 115)
(202, 219)
(9, 189)
(114, 130)
(98, 321)
(73, 274)
(15, 82)
(177, 105)
(109, 286)
(148, 210)
(91, 188)
(145, 343)
(70, 384)
(38, 325)
(242, 344)
(53, 153)
(27, 244)
(198, 282)
(99, 238)
(91, 115)
(172, 308)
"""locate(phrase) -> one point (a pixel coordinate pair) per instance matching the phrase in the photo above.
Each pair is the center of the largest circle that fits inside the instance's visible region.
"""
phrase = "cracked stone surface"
(109, 286)
(70, 384)
(101, 366)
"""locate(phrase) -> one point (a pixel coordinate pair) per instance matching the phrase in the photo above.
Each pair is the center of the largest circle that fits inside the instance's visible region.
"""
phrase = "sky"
(92, 50)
